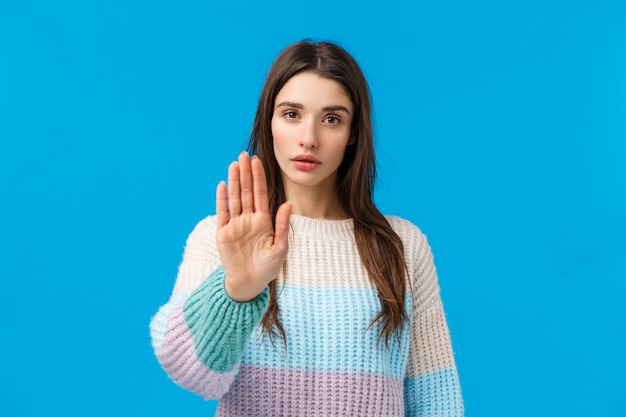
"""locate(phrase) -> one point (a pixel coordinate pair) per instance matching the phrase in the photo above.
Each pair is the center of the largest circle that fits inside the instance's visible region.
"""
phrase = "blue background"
(501, 132)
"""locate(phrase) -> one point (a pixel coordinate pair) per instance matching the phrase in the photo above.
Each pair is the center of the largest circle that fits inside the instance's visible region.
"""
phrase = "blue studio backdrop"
(500, 129)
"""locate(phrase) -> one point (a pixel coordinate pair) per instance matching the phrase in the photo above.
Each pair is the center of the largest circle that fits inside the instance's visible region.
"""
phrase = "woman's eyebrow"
(336, 108)
(290, 104)
(295, 105)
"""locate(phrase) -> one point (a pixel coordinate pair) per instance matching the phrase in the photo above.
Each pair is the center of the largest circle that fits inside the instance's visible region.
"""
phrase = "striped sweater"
(331, 363)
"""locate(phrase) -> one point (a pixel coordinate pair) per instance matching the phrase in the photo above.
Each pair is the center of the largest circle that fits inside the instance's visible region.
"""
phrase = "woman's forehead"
(309, 89)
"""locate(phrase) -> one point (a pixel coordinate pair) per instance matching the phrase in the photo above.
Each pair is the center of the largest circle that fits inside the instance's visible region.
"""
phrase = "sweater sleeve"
(431, 386)
(199, 336)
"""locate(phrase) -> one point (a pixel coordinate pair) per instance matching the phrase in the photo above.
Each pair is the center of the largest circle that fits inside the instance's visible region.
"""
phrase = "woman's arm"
(199, 338)
(200, 334)
(221, 290)
(431, 386)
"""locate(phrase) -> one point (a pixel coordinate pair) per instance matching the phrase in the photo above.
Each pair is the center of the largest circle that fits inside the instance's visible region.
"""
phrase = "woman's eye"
(332, 120)
(291, 114)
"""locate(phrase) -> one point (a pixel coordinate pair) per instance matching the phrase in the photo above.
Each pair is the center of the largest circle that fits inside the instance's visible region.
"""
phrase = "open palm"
(252, 252)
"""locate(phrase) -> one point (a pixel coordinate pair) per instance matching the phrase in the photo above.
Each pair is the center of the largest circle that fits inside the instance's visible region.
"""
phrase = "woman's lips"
(305, 162)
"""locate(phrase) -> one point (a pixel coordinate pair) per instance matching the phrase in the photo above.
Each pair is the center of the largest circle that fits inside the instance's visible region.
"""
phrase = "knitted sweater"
(331, 363)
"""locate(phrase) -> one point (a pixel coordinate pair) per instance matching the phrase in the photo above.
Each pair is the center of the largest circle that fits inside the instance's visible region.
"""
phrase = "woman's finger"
(260, 186)
(281, 236)
(245, 179)
(234, 197)
(221, 204)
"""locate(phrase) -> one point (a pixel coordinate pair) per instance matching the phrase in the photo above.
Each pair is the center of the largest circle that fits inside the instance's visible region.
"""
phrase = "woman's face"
(311, 127)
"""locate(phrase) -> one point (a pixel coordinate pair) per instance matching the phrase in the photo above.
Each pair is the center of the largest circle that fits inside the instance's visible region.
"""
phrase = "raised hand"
(252, 252)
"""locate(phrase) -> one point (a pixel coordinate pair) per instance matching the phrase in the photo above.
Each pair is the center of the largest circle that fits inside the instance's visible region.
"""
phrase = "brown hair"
(380, 248)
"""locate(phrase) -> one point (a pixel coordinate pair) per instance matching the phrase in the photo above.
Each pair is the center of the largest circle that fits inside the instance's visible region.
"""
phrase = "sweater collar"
(322, 229)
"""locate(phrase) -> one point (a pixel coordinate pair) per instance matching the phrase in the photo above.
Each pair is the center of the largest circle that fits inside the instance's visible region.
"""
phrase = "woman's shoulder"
(203, 233)
(405, 228)
(415, 242)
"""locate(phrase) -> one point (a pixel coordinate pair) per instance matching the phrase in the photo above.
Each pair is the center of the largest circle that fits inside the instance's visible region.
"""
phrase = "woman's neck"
(312, 202)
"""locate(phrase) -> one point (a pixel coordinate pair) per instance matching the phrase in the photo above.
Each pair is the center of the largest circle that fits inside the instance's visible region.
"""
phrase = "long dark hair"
(380, 248)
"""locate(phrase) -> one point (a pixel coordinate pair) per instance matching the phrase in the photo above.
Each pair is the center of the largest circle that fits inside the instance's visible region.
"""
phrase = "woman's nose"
(309, 135)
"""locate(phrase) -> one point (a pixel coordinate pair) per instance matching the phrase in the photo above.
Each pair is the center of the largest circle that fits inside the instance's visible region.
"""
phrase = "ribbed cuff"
(221, 326)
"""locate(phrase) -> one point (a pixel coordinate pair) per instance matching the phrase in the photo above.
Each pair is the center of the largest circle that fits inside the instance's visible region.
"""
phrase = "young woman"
(299, 297)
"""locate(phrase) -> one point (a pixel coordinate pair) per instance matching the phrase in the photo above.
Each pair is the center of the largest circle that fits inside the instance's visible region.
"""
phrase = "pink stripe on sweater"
(177, 355)
(279, 392)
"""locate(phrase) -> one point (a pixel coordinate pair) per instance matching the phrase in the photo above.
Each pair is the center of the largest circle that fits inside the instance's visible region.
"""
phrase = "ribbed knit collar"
(322, 229)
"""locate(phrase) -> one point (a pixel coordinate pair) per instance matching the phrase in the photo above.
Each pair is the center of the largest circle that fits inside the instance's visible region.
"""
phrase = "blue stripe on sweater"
(435, 394)
(326, 331)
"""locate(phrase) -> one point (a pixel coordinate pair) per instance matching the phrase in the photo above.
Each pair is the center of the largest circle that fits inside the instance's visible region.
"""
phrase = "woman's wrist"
(241, 293)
